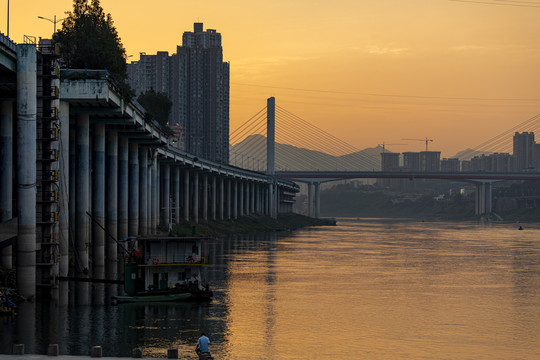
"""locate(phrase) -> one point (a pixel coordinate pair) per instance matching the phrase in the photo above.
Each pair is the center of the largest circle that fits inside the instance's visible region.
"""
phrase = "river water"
(366, 288)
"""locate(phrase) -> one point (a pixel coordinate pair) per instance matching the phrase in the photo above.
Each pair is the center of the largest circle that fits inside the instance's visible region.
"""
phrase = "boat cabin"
(165, 263)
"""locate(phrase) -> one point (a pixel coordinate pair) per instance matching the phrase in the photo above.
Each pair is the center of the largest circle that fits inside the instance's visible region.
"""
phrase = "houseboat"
(167, 269)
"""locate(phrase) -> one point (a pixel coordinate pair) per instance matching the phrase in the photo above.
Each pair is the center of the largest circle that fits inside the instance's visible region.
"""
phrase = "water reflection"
(373, 289)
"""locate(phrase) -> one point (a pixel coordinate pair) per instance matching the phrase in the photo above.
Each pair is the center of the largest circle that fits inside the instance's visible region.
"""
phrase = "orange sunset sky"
(367, 71)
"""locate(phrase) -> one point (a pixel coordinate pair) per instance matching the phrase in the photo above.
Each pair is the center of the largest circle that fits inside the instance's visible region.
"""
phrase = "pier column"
(479, 199)
(317, 200)
(241, 198)
(98, 201)
(143, 191)
(82, 205)
(123, 199)
(156, 186)
(251, 197)
(186, 194)
(63, 187)
(166, 195)
(247, 200)
(72, 178)
(176, 191)
(221, 198)
(150, 193)
(213, 200)
(133, 201)
(310, 199)
(489, 198)
(6, 174)
(229, 199)
(26, 168)
(205, 197)
(196, 197)
(235, 199)
(111, 252)
(272, 200)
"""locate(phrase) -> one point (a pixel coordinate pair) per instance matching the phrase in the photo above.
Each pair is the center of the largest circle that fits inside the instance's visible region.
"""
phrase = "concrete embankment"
(248, 224)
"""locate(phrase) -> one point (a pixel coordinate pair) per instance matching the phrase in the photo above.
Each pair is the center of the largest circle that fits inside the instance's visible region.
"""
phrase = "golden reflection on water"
(384, 290)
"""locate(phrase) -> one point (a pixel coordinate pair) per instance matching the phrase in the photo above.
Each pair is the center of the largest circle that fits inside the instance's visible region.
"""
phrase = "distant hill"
(252, 152)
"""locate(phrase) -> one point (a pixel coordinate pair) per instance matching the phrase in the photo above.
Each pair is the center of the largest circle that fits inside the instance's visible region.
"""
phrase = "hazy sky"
(367, 71)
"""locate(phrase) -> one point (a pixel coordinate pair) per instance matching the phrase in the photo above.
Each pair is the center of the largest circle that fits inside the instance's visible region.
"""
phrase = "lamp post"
(53, 21)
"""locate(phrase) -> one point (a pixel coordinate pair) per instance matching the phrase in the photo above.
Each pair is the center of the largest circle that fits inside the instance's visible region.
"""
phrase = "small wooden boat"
(152, 297)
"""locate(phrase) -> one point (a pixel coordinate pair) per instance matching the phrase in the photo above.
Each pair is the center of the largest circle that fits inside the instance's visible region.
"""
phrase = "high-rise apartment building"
(150, 72)
(524, 149)
(197, 82)
(201, 102)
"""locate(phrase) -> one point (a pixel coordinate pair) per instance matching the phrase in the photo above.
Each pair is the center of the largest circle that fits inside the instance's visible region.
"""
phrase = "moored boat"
(152, 298)
(167, 269)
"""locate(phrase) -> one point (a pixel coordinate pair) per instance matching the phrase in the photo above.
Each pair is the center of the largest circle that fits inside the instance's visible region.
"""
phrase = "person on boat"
(202, 344)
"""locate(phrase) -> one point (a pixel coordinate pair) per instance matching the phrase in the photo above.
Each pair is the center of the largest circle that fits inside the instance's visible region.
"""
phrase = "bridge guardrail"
(8, 42)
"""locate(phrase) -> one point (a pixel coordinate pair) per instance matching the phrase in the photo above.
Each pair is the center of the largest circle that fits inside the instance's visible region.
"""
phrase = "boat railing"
(177, 259)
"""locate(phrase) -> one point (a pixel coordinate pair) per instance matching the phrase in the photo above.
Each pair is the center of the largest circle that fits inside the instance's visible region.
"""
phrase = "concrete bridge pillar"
(310, 199)
(176, 192)
(229, 199)
(6, 174)
(72, 177)
(155, 190)
(123, 199)
(483, 197)
(317, 200)
(143, 191)
(150, 193)
(82, 204)
(196, 196)
(245, 194)
(133, 200)
(26, 168)
(271, 202)
(166, 195)
(111, 192)
(235, 200)
(205, 197)
(213, 198)
(241, 198)
(98, 202)
(64, 186)
(186, 194)
(221, 198)
(251, 198)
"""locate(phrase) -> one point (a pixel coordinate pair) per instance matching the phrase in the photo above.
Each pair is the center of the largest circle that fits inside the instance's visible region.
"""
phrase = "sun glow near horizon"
(365, 71)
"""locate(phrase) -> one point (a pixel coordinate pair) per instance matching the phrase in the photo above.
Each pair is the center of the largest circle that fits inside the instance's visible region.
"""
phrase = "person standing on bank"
(202, 344)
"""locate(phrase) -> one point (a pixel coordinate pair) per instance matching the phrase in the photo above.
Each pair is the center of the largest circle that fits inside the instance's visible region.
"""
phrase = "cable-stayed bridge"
(306, 153)
(302, 146)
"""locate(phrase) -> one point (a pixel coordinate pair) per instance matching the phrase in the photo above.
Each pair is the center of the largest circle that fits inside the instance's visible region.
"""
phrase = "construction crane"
(426, 140)
(384, 144)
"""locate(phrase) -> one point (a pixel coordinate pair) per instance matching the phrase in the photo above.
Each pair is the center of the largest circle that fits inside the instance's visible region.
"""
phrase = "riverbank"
(248, 224)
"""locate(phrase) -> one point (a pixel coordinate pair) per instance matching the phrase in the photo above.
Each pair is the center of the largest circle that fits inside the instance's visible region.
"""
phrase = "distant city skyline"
(366, 71)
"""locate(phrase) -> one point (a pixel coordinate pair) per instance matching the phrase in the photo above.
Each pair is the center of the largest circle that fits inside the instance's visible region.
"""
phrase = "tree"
(89, 40)
(157, 106)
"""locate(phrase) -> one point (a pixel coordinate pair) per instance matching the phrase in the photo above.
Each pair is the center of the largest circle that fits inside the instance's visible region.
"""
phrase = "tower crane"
(426, 140)
(384, 144)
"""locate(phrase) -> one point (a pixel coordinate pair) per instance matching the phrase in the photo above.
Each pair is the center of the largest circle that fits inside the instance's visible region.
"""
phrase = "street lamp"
(53, 21)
